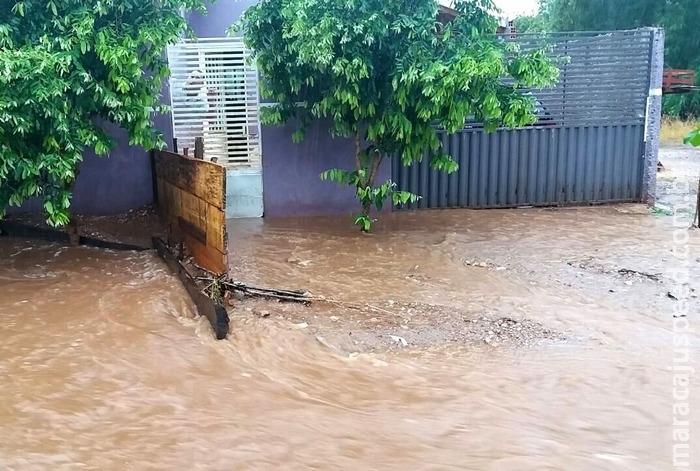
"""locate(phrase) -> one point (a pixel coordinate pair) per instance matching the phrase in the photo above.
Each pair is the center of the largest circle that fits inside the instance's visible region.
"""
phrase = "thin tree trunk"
(366, 209)
(365, 180)
(376, 162)
(358, 160)
(73, 230)
(696, 219)
(73, 223)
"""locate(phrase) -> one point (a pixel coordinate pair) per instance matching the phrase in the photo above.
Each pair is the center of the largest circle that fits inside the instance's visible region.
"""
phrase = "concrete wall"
(115, 183)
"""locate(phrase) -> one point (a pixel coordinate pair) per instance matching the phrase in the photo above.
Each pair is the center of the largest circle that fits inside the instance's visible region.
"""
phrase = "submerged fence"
(589, 145)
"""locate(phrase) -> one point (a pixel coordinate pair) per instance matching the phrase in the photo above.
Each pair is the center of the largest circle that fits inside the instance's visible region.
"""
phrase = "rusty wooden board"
(192, 198)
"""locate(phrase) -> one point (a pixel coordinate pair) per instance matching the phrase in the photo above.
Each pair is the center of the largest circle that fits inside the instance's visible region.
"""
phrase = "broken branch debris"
(223, 284)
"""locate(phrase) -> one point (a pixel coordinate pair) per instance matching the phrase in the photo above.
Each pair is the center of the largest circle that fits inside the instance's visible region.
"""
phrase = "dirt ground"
(135, 227)
(390, 325)
(677, 182)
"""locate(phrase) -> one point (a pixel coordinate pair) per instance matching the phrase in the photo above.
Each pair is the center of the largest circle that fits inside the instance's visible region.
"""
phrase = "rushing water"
(104, 364)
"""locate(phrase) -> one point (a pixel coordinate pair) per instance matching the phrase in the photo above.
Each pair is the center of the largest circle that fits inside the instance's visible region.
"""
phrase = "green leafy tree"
(601, 15)
(693, 138)
(532, 24)
(69, 67)
(386, 73)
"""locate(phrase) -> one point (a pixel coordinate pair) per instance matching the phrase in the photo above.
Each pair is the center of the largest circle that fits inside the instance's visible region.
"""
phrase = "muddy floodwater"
(105, 365)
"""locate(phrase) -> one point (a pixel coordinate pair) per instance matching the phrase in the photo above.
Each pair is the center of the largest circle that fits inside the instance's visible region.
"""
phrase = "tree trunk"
(73, 223)
(370, 173)
(376, 162)
(696, 219)
(366, 209)
(358, 160)
(364, 181)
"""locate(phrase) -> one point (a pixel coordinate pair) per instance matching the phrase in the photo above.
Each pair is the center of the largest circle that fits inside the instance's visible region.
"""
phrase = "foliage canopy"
(69, 66)
(388, 74)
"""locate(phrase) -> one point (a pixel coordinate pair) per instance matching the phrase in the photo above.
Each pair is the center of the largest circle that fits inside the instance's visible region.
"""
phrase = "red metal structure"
(679, 81)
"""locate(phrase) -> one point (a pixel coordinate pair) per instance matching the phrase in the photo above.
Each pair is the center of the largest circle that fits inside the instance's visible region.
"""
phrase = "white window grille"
(214, 95)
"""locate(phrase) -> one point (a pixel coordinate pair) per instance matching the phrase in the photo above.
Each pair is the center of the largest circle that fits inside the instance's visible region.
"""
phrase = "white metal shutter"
(214, 94)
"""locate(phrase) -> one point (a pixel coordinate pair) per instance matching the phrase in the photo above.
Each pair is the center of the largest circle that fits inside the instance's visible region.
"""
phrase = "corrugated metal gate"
(588, 146)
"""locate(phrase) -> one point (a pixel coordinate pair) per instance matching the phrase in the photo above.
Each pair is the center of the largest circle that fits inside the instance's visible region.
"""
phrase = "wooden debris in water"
(224, 284)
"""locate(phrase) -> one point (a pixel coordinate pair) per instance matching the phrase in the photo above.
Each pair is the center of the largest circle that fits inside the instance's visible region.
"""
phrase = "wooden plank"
(160, 192)
(198, 148)
(202, 178)
(189, 210)
(213, 311)
(216, 229)
(192, 198)
(209, 258)
(175, 207)
(191, 230)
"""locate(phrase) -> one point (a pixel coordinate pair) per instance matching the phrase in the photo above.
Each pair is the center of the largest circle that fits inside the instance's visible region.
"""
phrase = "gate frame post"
(652, 126)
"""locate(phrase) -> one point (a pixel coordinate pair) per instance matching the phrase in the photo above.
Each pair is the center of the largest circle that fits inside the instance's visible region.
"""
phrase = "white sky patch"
(513, 8)
(510, 8)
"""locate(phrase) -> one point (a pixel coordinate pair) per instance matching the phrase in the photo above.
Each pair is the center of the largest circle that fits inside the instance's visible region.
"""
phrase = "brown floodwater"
(105, 365)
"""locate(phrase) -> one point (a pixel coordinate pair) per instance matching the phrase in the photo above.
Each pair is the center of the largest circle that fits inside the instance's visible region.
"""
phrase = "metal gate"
(214, 95)
(587, 147)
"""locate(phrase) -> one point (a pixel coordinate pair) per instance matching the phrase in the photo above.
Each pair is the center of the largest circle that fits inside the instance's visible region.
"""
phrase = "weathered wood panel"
(201, 178)
(192, 198)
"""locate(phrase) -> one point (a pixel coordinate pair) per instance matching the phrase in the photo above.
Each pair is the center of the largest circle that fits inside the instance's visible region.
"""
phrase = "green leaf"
(365, 223)
(693, 138)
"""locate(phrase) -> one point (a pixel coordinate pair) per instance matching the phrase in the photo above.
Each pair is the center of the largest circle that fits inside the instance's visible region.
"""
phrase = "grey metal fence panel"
(603, 77)
(536, 166)
(590, 150)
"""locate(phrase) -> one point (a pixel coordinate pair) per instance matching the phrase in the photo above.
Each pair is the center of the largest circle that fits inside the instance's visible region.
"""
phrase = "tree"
(601, 15)
(69, 66)
(386, 73)
(693, 138)
(532, 24)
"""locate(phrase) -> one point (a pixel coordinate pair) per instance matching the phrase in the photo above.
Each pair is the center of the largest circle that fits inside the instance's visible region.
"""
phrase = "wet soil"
(389, 326)
(677, 182)
(134, 227)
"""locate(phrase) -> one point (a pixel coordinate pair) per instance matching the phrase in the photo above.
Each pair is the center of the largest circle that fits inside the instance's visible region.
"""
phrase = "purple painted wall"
(219, 17)
(290, 172)
(111, 184)
(291, 186)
